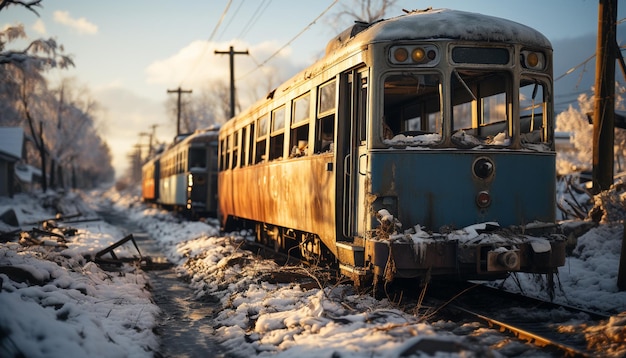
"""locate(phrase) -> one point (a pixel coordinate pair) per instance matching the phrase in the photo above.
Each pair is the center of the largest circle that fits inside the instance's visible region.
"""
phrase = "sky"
(129, 54)
(56, 303)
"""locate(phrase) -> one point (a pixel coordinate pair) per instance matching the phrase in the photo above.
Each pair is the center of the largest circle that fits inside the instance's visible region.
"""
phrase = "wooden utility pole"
(604, 104)
(179, 91)
(607, 53)
(232, 54)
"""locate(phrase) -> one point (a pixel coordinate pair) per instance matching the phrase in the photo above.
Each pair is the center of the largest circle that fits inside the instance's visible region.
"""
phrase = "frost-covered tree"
(576, 122)
(55, 123)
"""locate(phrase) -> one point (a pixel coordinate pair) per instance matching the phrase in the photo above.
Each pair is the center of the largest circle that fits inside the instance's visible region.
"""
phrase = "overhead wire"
(291, 40)
(206, 44)
(255, 17)
(565, 97)
(233, 17)
(588, 59)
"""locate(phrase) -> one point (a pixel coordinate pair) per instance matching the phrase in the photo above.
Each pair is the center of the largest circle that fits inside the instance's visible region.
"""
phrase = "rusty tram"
(184, 176)
(418, 146)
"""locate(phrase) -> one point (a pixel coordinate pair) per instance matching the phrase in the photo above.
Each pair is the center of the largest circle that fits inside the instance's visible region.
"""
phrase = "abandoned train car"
(421, 145)
(184, 176)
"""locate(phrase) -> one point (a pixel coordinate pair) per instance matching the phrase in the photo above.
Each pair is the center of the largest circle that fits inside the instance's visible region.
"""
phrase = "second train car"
(419, 146)
(184, 176)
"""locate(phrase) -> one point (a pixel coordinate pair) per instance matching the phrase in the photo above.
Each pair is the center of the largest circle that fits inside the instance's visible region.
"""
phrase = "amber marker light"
(418, 54)
(400, 54)
(532, 59)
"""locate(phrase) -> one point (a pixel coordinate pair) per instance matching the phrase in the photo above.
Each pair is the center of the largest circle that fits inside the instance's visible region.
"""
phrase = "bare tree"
(365, 10)
(207, 107)
(30, 5)
(60, 123)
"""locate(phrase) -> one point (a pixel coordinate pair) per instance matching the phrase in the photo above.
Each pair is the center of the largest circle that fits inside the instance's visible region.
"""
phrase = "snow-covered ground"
(55, 302)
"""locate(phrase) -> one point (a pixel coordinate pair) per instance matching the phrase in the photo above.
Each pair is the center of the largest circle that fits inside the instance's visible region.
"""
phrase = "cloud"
(81, 25)
(39, 27)
(196, 65)
(124, 115)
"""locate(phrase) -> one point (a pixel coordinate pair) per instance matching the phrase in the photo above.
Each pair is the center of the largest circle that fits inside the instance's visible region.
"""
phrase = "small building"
(12, 150)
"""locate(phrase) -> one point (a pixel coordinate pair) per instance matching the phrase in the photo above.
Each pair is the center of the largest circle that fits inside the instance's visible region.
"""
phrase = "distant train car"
(150, 180)
(185, 174)
(409, 130)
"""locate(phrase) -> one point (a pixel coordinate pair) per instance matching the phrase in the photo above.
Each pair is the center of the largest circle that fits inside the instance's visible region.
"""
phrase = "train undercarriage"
(479, 252)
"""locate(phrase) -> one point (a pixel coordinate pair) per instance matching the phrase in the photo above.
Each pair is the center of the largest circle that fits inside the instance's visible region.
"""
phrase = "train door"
(355, 85)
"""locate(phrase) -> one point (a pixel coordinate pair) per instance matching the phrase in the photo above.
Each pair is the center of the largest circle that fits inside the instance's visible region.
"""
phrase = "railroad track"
(529, 319)
(540, 323)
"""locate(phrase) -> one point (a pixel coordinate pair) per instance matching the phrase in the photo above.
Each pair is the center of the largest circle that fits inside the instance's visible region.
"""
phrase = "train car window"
(235, 149)
(326, 100)
(325, 123)
(179, 167)
(244, 147)
(299, 138)
(412, 108)
(250, 144)
(261, 139)
(228, 150)
(493, 109)
(185, 161)
(301, 109)
(197, 157)
(533, 104)
(362, 112)
(325, 134)
(277, 135)
(262, 126)
(278, 119)
(480, 112)
(222, 154)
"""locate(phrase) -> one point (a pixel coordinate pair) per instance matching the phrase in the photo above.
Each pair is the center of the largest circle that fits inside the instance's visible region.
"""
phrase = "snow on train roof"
(445, 24)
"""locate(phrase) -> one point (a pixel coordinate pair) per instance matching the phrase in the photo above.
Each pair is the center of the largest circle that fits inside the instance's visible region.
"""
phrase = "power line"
(206, 44)
(293, 39)
(589, 58)
(233, 17)
(219, 22)
(255, 17)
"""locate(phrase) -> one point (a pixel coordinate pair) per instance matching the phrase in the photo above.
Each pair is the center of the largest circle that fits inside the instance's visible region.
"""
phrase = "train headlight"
(483, 199)
(483, 168)
(533, 60)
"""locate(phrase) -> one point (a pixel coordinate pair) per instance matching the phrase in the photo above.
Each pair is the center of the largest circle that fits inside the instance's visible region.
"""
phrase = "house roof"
(12, 142)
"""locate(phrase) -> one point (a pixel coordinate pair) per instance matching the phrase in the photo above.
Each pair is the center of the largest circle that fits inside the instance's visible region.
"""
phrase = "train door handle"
(364, 165)
(346, 167)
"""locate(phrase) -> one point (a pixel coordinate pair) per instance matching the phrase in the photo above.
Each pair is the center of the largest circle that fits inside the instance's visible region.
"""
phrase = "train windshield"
(197, 158)
(480, 110)
(533, 104)
(481, 113)
(412, 109)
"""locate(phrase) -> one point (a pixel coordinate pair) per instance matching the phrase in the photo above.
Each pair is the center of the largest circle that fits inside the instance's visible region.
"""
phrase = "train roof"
(200, 135)
(429, 24)
(440, 24)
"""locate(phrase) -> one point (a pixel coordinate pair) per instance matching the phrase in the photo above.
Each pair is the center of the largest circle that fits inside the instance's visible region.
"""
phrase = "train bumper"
(475, 256)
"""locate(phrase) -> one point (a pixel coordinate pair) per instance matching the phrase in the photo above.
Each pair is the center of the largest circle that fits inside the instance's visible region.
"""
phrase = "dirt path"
(186, 328)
